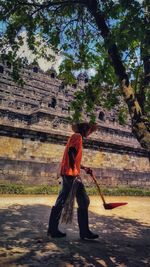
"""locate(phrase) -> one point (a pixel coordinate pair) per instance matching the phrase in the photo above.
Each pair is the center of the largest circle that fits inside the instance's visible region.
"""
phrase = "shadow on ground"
(122, 242)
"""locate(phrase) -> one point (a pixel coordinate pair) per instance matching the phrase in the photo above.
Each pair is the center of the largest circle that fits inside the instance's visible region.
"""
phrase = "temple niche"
(35, 126)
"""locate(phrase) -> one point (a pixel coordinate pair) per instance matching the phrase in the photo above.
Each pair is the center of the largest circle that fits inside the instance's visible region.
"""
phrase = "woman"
(70, 172)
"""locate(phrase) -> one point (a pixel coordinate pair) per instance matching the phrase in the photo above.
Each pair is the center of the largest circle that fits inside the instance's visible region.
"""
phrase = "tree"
(110, 36)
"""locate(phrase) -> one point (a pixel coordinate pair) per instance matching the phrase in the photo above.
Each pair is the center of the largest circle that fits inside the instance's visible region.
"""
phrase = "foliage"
(9, 188)
(122, 115)
(85, 101)
(120, 191)
(69, 27)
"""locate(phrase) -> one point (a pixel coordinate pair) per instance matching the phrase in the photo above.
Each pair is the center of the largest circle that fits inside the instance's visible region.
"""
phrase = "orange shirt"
(74, 141)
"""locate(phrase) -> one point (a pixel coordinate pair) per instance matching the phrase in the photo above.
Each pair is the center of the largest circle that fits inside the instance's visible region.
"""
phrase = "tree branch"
(140, 124)
(25, 3)
(40, 8)
(49, 4)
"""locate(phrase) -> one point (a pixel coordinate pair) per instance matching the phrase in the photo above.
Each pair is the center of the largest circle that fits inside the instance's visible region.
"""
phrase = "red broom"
(107, 206)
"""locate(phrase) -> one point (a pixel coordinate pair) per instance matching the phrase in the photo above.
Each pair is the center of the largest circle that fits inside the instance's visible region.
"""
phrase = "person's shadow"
(23, 229)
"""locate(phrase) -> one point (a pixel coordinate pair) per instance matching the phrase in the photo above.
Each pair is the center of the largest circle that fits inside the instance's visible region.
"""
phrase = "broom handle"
(98, 187)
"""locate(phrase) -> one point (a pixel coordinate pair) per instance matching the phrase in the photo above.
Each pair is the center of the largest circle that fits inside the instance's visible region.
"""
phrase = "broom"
(107, 206)
(68, 210)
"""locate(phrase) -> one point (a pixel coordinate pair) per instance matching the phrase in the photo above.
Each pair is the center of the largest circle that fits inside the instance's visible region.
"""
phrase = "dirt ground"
(124, 234)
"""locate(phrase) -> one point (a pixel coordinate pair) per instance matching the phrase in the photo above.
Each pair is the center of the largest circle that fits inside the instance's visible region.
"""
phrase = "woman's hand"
(88, 170)
(59, 178)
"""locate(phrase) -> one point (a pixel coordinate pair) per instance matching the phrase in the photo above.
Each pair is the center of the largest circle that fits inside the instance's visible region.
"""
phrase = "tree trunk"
(145, 57)
(140, 123)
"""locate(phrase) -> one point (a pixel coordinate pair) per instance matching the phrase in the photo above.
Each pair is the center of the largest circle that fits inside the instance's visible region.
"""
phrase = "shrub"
(47, 189)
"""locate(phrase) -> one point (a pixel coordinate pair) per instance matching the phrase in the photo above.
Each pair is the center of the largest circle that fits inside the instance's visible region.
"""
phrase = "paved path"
(124, 235)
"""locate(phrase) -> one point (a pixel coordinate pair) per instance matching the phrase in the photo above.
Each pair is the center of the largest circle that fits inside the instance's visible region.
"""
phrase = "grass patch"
(47, 189)
(28, 189)
(120, 191)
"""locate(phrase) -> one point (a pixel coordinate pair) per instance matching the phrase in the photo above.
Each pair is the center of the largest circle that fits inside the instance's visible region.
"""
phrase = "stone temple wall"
(34, 162)
(34, 129)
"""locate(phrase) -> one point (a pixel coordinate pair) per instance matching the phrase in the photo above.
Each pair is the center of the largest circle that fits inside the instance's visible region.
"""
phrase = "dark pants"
(82, 211)
(81, 195)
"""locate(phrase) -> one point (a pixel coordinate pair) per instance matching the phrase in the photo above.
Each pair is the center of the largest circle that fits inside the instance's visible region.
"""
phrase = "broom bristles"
(68, 210)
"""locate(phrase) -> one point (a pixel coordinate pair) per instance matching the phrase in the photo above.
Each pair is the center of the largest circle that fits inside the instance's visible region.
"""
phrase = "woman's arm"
(72, 153)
